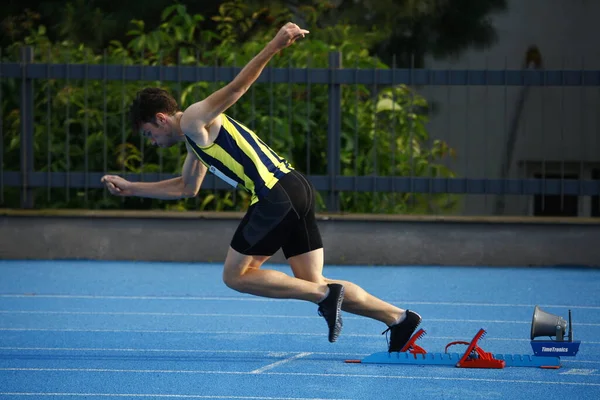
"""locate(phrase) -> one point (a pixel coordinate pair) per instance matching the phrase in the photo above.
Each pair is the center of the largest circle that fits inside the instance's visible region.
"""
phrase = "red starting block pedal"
(475, 357)
(411, 346)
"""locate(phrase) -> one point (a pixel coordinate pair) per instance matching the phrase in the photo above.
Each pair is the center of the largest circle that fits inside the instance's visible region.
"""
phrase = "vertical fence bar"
(356, 98)
(430, 161)
(466, 138)
(104, 120)
(48, 127)
(485, 130)
(528, 169)
(505, 127)
(448, 120)
(123, 88)
(160, 79)
(584, 211)
(86, 133)
(142, 138)
(522, 174)
(67, 130)
(596, 148)
(334, 129)
(27, 120)
(411, 133)
(374, 100)
(179, 92)
(562, 135)
(499, 198)
(393, 132)
(1, 135)
(544, 90)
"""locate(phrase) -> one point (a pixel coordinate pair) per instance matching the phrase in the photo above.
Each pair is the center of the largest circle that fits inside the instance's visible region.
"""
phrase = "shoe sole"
(338, 311)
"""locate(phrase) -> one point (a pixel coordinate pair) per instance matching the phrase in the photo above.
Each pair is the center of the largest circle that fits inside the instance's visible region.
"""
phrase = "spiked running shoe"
(331, 310)
(401, 332)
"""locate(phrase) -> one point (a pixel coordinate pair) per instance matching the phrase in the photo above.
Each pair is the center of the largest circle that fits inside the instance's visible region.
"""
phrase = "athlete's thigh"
(308, 266)
(304, 236)
(265, 227)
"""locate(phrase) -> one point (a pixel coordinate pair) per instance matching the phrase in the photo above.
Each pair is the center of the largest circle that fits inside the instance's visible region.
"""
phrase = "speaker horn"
(546, 324)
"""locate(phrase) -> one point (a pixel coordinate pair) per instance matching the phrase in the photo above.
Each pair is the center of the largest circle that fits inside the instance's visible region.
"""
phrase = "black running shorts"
(285, 219)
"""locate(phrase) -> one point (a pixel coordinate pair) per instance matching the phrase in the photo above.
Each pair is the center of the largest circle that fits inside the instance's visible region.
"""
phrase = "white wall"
(557, 124)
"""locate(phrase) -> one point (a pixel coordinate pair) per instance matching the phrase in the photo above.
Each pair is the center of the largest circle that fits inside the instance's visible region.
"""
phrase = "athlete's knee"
(237, 279)
(232, 280)
(235, 270)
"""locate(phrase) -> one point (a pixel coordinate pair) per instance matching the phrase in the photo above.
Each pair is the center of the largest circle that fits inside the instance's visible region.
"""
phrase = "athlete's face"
(162, 133)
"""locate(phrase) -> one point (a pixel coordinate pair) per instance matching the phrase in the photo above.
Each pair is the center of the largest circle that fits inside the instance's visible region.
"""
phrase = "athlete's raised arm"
(205, 111)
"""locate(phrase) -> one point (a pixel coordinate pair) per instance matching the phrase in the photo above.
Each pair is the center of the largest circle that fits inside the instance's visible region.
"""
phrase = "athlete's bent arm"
(186, 185)
(204, 112)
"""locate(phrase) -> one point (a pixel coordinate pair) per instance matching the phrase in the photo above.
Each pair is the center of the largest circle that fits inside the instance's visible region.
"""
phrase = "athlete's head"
(152, 114)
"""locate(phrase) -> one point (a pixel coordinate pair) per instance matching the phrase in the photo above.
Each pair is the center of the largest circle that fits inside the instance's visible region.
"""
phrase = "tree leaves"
(383, 128)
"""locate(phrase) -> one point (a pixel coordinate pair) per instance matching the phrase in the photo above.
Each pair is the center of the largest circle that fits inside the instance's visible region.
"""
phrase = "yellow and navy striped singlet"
(241, 159)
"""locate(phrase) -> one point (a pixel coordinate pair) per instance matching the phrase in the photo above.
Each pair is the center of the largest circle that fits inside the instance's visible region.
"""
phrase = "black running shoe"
(400, 333)
(331, 310)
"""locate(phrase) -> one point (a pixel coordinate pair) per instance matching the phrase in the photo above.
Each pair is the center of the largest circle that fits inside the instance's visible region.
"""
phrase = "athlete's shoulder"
(193, 116)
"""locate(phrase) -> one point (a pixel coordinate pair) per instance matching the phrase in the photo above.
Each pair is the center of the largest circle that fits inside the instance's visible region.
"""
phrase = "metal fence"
(548, 178)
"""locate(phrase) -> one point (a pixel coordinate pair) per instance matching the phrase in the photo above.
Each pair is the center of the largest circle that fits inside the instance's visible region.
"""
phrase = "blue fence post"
(27, 119)
(334, 129)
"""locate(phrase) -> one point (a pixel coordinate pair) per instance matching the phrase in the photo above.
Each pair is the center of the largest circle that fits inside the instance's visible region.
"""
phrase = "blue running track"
(97, 330)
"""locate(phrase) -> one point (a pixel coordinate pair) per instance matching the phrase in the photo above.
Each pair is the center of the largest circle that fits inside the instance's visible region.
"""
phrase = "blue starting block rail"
(511, 360)
(473, 357)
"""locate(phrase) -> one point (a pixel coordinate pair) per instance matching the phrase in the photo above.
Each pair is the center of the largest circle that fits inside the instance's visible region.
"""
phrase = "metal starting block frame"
(473, 357)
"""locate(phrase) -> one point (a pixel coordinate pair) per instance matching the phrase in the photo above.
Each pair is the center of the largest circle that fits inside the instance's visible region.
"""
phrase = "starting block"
(473, 357)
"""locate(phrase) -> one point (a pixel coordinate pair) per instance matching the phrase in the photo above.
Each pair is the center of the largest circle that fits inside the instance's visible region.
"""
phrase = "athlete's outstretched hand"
(287, 35)
(117, 185)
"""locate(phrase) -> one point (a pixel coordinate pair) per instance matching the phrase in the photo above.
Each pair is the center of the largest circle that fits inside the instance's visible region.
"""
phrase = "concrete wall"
(351, 240)
(557, 125)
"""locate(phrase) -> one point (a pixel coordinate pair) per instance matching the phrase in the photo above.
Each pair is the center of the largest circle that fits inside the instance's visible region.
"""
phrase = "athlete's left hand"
(287, 35)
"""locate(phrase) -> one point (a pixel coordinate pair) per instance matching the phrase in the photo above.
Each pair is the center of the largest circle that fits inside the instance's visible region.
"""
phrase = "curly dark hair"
(147, 103)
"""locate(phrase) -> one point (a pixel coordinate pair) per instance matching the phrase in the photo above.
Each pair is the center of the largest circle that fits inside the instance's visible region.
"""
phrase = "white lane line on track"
(125, 350)
(580, 371)
(580, 361)
(229, 333)
(172, 396)
(162, 314)
(280, 362)
(260, 299)
(294, 316)
(199, 351)
(332, 375)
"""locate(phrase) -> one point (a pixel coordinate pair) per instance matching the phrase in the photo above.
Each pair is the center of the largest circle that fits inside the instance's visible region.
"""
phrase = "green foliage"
(83, 126)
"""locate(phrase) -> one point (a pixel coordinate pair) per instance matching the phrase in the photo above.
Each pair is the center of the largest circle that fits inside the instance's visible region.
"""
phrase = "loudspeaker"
(546, 324)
